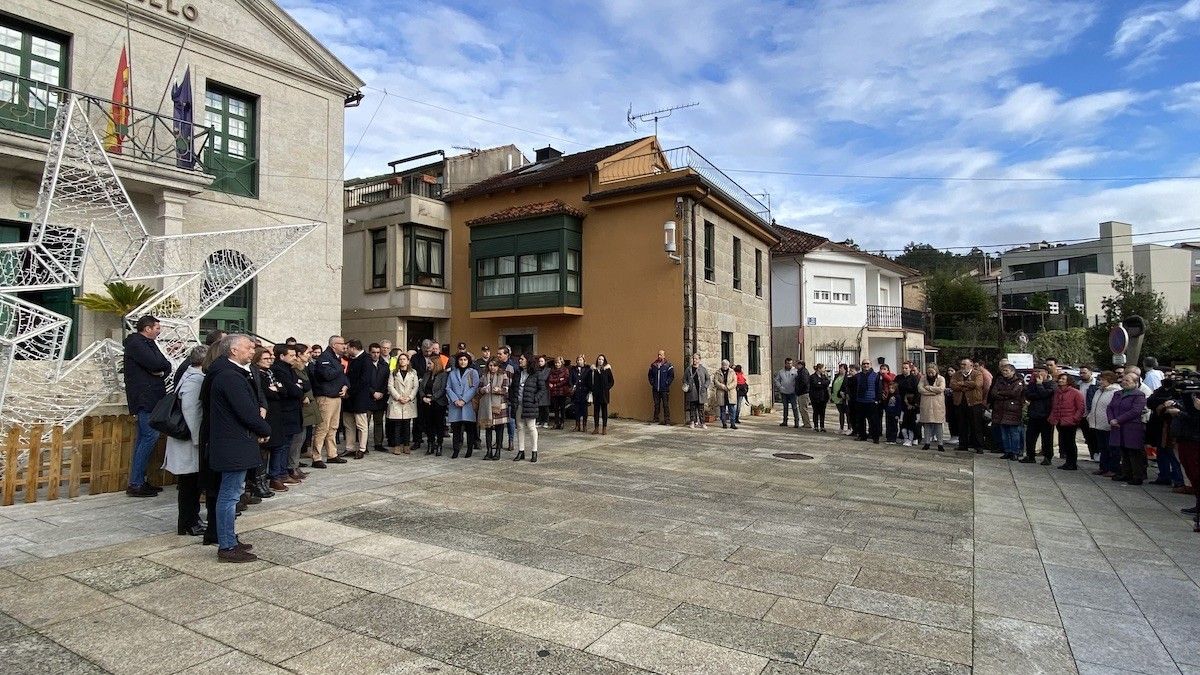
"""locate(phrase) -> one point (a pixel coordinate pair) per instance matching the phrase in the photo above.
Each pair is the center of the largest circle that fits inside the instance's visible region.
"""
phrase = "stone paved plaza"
(650, 549)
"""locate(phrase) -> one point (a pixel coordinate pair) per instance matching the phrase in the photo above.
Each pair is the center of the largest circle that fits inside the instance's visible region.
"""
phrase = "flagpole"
(174, 66)
(129, 51)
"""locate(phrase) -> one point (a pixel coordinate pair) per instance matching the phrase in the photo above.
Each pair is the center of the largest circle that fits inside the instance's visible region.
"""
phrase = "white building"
(835, 304)
(268, 103)
(1080, 275)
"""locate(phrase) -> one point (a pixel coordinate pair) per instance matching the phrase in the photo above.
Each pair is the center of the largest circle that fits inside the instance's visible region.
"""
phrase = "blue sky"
(927, 88)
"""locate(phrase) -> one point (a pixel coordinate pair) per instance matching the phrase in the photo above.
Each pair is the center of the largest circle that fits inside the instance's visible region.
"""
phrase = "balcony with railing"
(899, 318)
(28, 107)
(681, 160)
(391, 188)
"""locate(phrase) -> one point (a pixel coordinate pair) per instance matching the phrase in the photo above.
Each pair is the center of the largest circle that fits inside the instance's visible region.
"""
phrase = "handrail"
(678, 159)
(29, 106)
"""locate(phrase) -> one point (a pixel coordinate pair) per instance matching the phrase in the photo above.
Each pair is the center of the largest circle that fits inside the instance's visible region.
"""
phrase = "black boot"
(533, 457)
(470, 449)
(520, 456)
(457, 447)
(437, 447)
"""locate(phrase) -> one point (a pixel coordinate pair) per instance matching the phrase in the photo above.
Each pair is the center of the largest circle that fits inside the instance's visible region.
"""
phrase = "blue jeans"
(789, 400)
(1110, 457)
(278, 467)
(512, 427)
(1011, 438)
(1169, 467)
(232, 485)
(143, 447)
(729, 413)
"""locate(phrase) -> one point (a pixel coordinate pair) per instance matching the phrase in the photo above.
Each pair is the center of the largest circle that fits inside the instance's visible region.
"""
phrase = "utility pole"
(999, 318)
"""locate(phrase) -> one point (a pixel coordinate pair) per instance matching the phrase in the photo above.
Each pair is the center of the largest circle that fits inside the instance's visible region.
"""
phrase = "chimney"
(546, 153)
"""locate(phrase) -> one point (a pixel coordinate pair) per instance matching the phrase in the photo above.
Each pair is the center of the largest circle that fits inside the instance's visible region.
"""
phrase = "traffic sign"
(1118, 339)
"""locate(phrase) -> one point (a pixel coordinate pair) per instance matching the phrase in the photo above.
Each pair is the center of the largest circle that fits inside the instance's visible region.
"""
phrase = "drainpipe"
(800, 300)
(689, 263)
(692, 323)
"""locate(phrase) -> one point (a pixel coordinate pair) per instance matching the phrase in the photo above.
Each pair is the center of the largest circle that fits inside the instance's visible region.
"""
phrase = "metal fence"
(681, 159)
(387, 189)
(888, 316)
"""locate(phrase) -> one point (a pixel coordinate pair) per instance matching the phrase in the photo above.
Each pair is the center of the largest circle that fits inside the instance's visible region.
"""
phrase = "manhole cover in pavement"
(792, 455)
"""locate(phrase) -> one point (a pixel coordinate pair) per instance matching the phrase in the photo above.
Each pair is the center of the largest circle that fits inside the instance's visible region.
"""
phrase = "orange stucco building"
(567, 255)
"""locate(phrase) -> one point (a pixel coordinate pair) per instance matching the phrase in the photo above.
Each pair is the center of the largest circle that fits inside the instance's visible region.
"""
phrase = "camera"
(1182, 383)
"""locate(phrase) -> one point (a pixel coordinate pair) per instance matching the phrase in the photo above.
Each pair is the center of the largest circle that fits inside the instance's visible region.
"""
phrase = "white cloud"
(1185, 99)
(1035, 109)
(1146, 33)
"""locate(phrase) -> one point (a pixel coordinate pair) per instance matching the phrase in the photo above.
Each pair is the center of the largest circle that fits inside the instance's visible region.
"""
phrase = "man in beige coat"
(967, 386)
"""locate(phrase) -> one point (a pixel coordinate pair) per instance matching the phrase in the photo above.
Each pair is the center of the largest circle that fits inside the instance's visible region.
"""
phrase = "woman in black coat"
(600, 383)
(525, 393)
(818, 395)
(581, 375)
(229, 438)
(284, 414)
(432, 404)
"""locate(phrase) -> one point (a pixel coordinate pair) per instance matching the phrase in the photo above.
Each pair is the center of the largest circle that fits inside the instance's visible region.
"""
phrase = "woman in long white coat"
(183, 455)
(402, 405)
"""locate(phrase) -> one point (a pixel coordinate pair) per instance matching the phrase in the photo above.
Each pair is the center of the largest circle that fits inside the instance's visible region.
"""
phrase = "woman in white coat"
(1097, 419)
(183, 455)
(402, 405)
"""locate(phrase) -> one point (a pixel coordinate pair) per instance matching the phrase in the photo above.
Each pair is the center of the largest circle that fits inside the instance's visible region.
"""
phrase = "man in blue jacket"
(146, 371)
(661, 375)
(330, 385)
(868, 397)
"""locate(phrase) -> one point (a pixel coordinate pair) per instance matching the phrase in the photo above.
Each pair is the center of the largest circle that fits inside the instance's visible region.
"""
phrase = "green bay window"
(424, 256)
(527, 264)
(232, 152)
(32, 61)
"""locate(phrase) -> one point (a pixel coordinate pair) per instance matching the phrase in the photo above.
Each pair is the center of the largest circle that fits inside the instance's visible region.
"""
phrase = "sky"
(925, 102)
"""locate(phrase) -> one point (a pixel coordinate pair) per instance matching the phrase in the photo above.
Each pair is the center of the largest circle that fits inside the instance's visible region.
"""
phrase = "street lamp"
(1000, 307)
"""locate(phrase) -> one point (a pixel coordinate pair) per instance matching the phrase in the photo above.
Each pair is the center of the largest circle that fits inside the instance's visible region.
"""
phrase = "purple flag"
(181, 96)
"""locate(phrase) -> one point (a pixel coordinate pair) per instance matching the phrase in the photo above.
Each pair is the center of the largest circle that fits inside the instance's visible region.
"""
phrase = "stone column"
(169, 219)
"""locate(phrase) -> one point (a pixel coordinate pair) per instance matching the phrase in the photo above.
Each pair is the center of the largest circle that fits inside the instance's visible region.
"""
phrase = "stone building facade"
(277, 95)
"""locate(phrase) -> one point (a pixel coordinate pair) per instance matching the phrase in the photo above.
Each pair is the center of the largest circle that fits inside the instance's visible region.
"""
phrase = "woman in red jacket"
(1067, 410)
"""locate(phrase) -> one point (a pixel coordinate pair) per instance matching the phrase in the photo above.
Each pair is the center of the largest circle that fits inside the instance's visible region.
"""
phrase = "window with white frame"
(834, 290)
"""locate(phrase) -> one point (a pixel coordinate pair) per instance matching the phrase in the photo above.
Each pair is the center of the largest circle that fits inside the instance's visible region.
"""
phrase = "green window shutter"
(232, 152)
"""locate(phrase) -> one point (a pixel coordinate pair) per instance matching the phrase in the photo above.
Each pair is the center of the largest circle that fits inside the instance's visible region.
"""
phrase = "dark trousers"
(210, 482)
(1089, 438)
(496, 433)
(819, 415)
(970, 426)
(188, 488)
(1037, 428)
(398, 432)
(457, 428)
(891, 428)
(841, 408)
(543, 414)
(558, 405)
(600, 413)
(662, 399)
(869, 421)
(1067, 448)
(433, 423)
(1133, 464)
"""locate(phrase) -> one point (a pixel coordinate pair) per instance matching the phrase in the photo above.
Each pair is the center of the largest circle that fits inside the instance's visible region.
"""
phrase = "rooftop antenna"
(655, 115)
(466, 148)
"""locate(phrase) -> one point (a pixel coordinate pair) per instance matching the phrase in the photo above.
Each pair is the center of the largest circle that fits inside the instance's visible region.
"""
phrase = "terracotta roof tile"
(793, 242)
(567, 166)
(534, 210)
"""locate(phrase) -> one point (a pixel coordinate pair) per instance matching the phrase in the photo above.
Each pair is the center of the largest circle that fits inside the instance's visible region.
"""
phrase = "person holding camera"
(1184, 413)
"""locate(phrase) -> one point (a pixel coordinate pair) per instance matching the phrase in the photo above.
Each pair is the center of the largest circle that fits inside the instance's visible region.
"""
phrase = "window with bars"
(710, 243)
(32, 60)
(753, 362)
(424, 256)
(758, 269)
(737, 264)
(232, 154)
(379, 255)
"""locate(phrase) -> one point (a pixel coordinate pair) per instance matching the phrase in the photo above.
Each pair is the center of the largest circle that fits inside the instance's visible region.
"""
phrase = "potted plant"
(120, 300)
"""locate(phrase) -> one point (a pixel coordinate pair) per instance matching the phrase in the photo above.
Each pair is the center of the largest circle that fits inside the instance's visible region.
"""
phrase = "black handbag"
(167, 418)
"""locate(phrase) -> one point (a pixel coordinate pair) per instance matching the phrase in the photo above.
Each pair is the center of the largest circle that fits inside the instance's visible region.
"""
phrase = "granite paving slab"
(38, 655)
(773, 641)
(564, 625)
(663, 652)
(129, 639)
(183, 598)
(267, 632)
(611, 601)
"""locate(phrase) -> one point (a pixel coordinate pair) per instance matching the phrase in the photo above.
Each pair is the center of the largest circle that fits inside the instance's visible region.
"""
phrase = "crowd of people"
(1122, 416)
(250, 416)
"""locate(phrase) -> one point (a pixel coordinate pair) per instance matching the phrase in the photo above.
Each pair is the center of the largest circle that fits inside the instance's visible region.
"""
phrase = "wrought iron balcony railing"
(28, 107)
(887, 316)
(681, 159)
(391, 187)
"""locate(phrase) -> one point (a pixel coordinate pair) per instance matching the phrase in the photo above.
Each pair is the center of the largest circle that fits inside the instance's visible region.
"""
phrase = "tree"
(122, 298)
(1131, 296)
(956, 299)
(927, 259)
(1039, 302)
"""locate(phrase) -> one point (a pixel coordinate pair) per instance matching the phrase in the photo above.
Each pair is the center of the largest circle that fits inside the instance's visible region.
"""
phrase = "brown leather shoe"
(359, 454)
(290, 480)
(278, 486)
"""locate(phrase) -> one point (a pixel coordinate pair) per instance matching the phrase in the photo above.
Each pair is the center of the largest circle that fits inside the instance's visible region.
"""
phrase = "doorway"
(520, 343)
(57, 300)
(417, 332)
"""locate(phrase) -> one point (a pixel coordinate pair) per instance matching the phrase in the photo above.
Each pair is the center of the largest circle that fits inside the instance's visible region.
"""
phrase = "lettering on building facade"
(185, 9)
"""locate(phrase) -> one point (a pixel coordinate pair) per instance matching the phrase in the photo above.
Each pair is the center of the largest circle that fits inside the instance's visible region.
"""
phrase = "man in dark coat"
(379, 371)
(661, 375)
(802, 400)
(329, 386)
(146, 371)
(230, 435)
(360, 399)
(1040, 395)
(868, 399)
(284, 413)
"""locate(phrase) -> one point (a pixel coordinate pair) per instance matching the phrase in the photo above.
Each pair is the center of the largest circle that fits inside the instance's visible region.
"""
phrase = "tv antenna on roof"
(655, 115)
